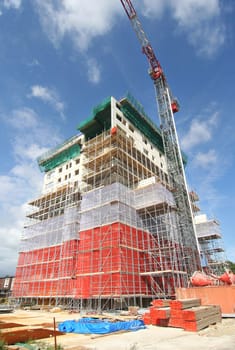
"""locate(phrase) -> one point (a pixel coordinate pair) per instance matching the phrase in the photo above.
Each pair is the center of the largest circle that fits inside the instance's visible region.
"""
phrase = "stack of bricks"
(185, 313)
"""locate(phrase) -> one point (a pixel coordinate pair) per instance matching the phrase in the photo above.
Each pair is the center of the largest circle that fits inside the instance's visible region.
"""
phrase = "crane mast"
(167, 105)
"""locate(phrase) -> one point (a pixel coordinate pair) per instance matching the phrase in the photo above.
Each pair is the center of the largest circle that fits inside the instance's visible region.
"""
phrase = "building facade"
(6, 286)
(104, 232)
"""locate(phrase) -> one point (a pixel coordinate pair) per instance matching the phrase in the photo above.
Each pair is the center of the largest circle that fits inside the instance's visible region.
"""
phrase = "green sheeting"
(143, 125)
(99, 120)
(60, 158)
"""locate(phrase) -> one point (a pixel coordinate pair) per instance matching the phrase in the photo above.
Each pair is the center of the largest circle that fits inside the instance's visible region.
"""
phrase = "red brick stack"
(183, 313)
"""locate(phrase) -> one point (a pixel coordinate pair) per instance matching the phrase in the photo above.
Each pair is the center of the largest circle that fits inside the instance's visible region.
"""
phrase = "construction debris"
(201, 279)
(219, 336)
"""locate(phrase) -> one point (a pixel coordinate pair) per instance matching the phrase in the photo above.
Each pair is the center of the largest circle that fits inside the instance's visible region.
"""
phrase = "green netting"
(134, 111)
(60, 158)
(52, 151)
(99, 120)
(142, 124)
(138, 106)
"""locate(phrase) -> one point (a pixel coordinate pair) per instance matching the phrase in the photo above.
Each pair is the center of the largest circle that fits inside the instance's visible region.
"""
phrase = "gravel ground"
(217, 337)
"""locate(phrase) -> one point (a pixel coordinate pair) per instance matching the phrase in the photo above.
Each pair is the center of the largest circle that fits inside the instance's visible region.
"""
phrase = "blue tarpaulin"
(95, 326)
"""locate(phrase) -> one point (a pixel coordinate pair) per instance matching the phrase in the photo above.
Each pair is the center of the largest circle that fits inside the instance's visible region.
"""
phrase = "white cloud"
(186, 12)
(12, 4)
(16, 188)
(200, 131)
(206, 164)
(6, 186)
(29, 151)
(189, 13)
(23, 118)
(9, 4)
(206, 160)
(153, 8)
(81, 20)
(22, 180)
(93, 71)
(206, 37)
(8, 260)
(199, 20)
(31, 136)
(49, 96)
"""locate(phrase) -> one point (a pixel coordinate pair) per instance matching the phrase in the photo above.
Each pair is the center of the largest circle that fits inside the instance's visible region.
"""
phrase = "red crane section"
(156, 71)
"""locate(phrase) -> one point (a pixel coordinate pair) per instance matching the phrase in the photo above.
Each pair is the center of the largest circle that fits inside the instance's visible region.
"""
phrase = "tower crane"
(167, 105)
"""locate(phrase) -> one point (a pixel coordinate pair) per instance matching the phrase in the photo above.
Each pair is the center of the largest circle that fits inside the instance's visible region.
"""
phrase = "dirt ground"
(216, 337)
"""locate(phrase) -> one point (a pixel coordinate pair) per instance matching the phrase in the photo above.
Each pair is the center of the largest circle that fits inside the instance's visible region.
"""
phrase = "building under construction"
(114, 224)
(104, 233)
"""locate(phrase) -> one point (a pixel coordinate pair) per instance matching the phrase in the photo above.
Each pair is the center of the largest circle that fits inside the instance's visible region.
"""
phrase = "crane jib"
(129, 8)
(156, 69)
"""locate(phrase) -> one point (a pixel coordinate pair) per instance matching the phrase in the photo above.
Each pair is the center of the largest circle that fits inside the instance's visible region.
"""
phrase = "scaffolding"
(129, 214)
(112, 239)
(211, 245)
(48, 250)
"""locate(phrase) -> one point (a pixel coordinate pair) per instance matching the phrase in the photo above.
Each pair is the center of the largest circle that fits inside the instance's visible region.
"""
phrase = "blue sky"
(59, 59)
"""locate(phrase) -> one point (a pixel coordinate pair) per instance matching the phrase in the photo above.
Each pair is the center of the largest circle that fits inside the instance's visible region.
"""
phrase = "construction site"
(115, 224)
(105, 232)
(117, 238)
